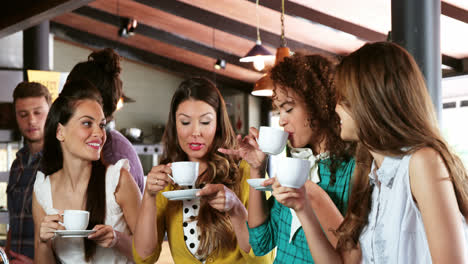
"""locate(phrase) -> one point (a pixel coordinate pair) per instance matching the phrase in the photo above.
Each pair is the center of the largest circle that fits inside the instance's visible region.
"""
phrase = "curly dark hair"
(310, 79)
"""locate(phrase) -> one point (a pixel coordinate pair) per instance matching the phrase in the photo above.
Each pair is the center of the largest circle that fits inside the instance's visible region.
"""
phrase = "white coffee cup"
(292, 172)
(272, 140)
(184, 173)
(75, 219)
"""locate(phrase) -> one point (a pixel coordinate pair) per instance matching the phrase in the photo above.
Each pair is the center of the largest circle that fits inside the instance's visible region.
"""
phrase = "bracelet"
(114, 241)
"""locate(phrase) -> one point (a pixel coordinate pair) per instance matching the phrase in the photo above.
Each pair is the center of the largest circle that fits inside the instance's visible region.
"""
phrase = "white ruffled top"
(71, 250)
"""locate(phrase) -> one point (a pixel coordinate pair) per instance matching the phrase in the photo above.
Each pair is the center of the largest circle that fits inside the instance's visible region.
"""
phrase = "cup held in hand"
(272, 140)
(75, 219)
(184, 173)
(292, 172)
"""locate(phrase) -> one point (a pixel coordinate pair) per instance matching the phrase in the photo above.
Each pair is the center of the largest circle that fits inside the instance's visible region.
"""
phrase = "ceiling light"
(120, 104)
(264, 85)
(124, 100)
(258, 54)
(220, 64)
(127, 27)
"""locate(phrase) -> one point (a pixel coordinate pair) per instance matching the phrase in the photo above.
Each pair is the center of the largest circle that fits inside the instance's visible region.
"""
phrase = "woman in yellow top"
(212, 227)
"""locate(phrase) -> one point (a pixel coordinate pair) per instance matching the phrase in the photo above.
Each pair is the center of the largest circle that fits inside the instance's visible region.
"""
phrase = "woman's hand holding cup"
(294, 198)
(288, 185)
(248, 150)
(50, 223)
(158, 179)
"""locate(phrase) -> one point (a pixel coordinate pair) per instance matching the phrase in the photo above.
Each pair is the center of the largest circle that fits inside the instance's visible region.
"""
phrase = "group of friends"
(384, 186)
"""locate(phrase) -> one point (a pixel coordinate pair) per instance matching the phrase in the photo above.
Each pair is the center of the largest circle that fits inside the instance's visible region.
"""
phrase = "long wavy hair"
(216, 230)
(60, 112)
(383, 89)
(309, 79)
(102, 69)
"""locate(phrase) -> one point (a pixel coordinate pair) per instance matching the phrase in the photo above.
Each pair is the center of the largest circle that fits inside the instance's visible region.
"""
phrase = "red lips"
(95, 144)
(196, 146)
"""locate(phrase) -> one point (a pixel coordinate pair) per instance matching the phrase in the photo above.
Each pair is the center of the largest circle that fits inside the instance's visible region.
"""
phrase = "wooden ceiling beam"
(235, 27)
(177, 21)
(164, 36)
(184, 28)
(22, 14)
(315, 16)
(184, 70)
(295, 9)
(454, 12)
(151, 45)
(454, 63)
(296, 28)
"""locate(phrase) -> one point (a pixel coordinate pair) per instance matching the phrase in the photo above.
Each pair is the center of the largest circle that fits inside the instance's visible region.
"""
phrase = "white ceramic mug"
(292, 172)
(184, 173)
(272, 140)
(75, 219)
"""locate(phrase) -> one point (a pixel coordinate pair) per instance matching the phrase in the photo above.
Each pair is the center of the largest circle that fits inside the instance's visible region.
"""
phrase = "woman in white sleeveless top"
(75, 178)
(409, 198)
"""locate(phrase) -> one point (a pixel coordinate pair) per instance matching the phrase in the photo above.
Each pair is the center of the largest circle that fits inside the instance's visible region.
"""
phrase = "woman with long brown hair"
(73, 177)
(210, 228)
(410, 192)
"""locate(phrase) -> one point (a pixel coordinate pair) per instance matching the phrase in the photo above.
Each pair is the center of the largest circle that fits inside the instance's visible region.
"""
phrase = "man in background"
(31, 101)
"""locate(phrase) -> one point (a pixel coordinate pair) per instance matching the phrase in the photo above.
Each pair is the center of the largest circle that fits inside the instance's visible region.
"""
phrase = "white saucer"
(74, 233)
(257, 184)
(181, 194)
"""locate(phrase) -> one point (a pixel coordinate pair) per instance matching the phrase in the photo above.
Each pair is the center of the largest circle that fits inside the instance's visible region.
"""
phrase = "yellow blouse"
(169, 219)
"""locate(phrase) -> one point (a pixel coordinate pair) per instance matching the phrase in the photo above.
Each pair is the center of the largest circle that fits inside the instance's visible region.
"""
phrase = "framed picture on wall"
(236, 107)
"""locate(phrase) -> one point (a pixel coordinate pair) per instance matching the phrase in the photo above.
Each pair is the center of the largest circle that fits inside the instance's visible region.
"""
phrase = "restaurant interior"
(165, 41)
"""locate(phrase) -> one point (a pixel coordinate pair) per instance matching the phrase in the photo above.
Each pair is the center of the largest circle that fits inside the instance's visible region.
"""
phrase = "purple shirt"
(118, 147)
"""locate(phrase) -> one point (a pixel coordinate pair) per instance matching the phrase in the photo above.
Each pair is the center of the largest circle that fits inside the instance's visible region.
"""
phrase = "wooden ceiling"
(188, 36)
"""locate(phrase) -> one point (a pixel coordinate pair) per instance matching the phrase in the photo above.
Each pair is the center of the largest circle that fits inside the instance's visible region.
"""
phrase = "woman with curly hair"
(210, 228)
(409, 202)
(305, 97)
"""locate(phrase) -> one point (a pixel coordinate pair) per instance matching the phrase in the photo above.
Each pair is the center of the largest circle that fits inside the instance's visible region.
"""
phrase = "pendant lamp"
(264, 85)
(258, 54)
